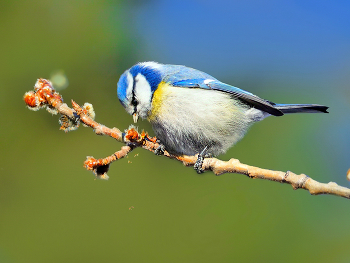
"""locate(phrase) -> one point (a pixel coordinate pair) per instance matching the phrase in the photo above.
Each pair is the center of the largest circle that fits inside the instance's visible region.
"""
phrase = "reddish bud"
(30, 99)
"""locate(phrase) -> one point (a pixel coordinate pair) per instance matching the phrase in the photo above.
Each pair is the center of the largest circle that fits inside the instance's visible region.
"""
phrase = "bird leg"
(198, 165)
(160, 150)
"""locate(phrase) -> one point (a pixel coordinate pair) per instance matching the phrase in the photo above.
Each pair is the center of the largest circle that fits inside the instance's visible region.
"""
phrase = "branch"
(45, 96)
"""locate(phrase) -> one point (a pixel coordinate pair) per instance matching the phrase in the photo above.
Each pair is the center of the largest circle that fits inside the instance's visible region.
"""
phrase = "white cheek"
(142, 89)
(130, 86)
(143, 95)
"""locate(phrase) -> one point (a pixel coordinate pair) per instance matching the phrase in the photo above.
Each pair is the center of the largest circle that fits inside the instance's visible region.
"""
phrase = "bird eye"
(134, 102)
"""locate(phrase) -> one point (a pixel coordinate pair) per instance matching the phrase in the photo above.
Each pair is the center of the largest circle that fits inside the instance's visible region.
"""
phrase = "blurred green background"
(153, 209)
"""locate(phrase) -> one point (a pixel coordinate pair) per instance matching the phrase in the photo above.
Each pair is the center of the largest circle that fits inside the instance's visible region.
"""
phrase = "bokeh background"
(153, 209)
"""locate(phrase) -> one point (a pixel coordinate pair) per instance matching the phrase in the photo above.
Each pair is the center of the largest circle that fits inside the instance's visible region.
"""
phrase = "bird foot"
(160, 150)
(198, 165)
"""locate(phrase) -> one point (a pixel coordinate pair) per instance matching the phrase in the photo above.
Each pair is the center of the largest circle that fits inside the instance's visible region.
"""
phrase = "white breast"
(187, 120)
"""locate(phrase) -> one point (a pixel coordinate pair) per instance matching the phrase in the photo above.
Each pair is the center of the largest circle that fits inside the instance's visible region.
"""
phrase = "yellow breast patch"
(158, 100)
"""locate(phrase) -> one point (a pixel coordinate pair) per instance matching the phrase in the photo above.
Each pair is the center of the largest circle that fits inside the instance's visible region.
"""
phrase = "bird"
(191, 112)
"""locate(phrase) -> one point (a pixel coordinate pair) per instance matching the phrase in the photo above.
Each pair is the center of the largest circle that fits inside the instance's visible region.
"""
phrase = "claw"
(198, 165)
(160, 150)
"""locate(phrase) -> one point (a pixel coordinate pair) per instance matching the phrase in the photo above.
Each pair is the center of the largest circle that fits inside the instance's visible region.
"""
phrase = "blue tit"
(190, 110)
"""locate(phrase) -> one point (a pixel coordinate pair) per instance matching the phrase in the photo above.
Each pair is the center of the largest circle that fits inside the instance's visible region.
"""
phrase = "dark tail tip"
(318, 108)
(302, 108)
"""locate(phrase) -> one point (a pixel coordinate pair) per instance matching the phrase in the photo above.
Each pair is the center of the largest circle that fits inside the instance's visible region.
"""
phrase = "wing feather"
(245, 96)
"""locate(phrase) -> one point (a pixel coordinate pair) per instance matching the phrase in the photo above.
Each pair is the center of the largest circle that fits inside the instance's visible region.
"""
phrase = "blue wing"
(245, 96)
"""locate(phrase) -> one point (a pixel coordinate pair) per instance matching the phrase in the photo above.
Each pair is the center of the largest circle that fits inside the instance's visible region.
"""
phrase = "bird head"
(136, 87)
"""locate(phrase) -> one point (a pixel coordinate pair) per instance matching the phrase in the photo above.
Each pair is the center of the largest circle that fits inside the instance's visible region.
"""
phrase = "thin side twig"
(45, 96)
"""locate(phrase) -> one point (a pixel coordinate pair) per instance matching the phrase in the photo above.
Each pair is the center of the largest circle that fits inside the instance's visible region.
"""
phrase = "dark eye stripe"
(134, 101)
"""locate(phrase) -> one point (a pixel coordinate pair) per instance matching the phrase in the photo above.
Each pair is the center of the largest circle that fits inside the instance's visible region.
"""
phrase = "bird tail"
(301, 108)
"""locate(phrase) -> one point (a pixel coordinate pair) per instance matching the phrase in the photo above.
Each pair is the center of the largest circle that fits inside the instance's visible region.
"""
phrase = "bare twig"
(45, 96)
(100, 167)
